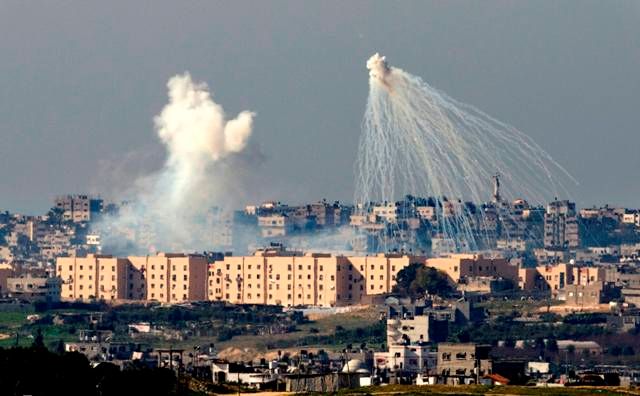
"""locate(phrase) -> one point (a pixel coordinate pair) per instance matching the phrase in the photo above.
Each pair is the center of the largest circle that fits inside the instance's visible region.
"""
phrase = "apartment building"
(546, 278)
(277, 277)
(561, 226)
(588, 275)
(169, 278)
(79, 208)
(92, 277)
(275, 225)
(461, 266)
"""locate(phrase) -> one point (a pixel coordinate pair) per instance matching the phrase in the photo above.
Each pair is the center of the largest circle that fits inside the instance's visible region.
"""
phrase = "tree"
(416, 280)
(38, 341)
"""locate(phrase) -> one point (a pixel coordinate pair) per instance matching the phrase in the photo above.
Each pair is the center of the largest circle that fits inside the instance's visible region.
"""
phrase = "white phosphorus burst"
(417, 140)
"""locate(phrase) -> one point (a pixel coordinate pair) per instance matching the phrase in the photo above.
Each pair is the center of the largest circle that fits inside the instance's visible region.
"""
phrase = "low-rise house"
(223, 371)
(463, 363)
(28, 287)
(579, 347)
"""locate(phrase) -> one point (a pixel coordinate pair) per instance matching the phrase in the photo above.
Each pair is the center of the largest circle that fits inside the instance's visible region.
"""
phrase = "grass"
(526, 307)
(487, 390)
(324, 325)
(10, 320)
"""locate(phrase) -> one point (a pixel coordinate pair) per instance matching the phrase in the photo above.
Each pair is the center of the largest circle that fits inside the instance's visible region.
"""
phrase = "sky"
(80, 83)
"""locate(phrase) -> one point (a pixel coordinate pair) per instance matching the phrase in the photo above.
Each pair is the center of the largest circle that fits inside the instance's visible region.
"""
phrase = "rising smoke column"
(170, 210)
(417, 140)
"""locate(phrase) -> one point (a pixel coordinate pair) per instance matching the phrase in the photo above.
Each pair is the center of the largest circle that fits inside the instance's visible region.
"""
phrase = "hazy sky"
(81, 81)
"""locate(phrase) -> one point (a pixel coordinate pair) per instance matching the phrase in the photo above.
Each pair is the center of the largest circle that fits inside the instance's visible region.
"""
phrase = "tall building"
(277, 277)
(561, 226)
(79, 208)
(169, 278)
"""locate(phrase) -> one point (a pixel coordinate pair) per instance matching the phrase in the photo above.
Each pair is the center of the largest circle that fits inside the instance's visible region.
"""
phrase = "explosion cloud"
(172, 209)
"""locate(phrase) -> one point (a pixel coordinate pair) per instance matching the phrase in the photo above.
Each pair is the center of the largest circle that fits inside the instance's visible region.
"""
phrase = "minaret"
(496, 188)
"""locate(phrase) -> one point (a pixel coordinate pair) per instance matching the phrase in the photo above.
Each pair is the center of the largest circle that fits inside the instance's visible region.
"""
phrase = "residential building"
(6, 271)
(461, 266)
(275, 225)
(546, 278)
(278, 277)
(561, 226)
(583, 295)
(413, 359)
(170, 278)
(79, 208)
(463, 363)
(28, 287)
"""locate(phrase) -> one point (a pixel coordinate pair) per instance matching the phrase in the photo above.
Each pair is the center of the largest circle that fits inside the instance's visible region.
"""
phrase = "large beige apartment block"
(292, 279)
(169, 278)
(92, 277)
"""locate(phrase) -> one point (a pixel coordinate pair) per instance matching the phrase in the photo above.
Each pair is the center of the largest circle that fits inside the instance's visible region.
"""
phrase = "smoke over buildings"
(178, 206)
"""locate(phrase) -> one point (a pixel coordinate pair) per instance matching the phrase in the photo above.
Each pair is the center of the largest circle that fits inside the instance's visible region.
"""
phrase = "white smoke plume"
(174, 208)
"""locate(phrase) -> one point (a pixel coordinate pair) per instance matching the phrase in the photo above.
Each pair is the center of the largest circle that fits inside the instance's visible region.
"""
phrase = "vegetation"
(36, 371)
(416, 280)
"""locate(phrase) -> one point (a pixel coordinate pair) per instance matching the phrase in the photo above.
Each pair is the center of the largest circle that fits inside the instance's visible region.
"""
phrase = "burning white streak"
(378, 68)
(417, 140)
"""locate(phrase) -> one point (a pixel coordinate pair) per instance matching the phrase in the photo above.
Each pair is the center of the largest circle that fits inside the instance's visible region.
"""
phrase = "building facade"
(79, 208)
(168, 278)
(276, 277)
(561, 226)
(460, 266)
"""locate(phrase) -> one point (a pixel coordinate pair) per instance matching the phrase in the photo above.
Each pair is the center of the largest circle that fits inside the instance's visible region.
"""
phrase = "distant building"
(579, 347)
(79, 208)
(170, 278)
(460, 363)
(461, 266)
(275, 225)
(545, 278)
(28, 287)
(414, 359)
(6, 271)
(277, 277)
(584, 296)
(561, 226)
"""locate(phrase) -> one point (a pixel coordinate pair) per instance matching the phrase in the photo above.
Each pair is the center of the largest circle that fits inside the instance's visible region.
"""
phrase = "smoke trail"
(174, 209)
(417, 140)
